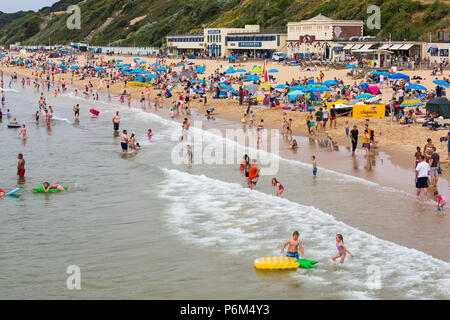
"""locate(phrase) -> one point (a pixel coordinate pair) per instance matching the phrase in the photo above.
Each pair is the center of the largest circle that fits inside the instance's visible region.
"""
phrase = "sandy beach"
(399, 141)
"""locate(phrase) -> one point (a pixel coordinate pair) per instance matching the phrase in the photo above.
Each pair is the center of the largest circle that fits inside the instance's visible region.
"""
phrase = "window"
(443, 52)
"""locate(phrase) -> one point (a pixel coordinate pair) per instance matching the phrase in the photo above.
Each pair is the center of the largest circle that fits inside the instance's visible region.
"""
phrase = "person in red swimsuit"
(21, 166)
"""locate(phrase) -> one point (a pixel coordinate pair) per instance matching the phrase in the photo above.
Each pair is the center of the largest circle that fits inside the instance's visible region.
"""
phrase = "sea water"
(139, 226)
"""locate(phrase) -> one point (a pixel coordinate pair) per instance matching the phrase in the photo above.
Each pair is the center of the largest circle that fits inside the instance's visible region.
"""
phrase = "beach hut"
(439, 105)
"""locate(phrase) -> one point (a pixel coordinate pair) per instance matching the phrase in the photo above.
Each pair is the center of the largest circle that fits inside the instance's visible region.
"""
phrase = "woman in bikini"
(280, 188)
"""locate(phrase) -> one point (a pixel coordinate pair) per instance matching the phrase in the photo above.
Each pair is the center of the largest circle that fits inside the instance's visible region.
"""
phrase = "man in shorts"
(253, 175)
(124, 141)
(422, 172)
(116, 121)
(21, 166)
(333, 116)
(435, 163)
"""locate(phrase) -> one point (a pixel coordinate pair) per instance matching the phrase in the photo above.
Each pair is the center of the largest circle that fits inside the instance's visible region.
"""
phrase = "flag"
(266, 77)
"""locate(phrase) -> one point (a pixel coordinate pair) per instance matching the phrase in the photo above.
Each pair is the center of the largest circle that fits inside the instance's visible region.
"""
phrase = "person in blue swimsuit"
(294, 244)
(314, 164)
(342, 250)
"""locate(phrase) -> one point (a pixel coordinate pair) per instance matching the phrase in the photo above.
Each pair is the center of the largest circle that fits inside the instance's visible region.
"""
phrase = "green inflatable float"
(41, 189)
(306, 264)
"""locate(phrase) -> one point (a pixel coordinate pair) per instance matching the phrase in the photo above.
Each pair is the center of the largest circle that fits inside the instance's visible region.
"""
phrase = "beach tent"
(442, 83)
(201, 69)
(399, 76)
(374, 89)
(378, 73)
(256, 69)
(351, 66)
(440, 105)
(226, 87)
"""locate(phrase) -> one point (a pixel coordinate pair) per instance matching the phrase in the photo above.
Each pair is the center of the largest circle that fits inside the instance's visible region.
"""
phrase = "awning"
(406, 46)
(357, 46)
(384, 46)
(349, 46)
(395, 47)
(366, 47)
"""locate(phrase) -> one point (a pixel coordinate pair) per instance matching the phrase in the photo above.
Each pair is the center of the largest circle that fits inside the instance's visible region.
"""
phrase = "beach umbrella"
(180, 64)
(295, 93)
(252, 88)
(298, 87)
(256, 69)
(126, 65)
(411, 103)
(230, 70)
(351, 66)
(281, 86)
(74, 67)
(142, 62)
(317, 89)
(135, 59)
(201, 69)
(137, 70)
(378, 73)
(364, 96)
(251, 78)
(415, 86)
(442, 83)
(273, 70)
(155, 64)
(330, 83)
(126, 69)
(241, 70)
(99, 69)
(153, 76)
(119, 60)
(399, 76)
(160, 69)
(40, 69)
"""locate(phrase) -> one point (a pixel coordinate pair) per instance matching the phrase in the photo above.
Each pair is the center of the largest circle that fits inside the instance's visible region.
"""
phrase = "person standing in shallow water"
(21, 166)
(124, 141)
(116, 121)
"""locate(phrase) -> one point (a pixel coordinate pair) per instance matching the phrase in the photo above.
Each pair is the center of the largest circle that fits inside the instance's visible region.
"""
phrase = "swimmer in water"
(294, 244)
(14, 121)
(46, 186)
(37, 117)
(279, 186)
(149, 134)
(23, 132)
(314, 164)
(2, 193)
(341, 249)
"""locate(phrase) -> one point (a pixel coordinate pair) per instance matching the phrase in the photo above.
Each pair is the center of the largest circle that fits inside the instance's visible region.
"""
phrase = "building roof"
(253, 33)
(186, 35)
(320, 17)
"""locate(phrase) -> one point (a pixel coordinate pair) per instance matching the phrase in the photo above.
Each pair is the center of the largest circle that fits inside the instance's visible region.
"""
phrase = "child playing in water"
(294, 243)
(279, 186)
(149, 134)
(341, 249)
(314, 164)
(441, 201)
(46, 186)
(23, 132)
